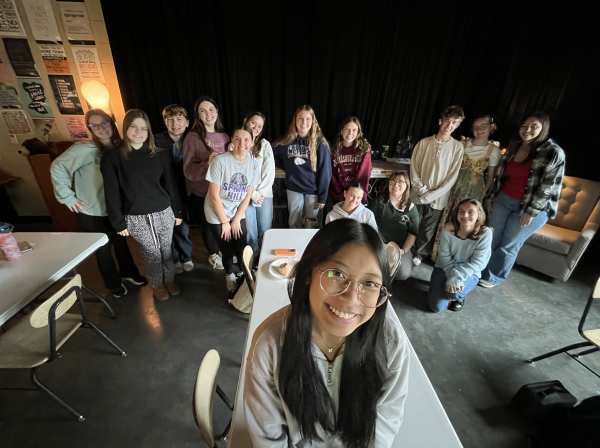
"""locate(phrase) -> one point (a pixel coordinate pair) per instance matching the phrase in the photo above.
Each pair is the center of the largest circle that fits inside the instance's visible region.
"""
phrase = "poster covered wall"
(77, 129)
(47, 130)
(9, 96)
(55, 59)
(10, 21)
(76, 23)
(16, 121)
(34, 95)
(88, 63)
(20, 57)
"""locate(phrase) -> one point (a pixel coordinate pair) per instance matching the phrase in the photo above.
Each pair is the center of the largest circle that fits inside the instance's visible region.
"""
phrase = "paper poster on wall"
(88, 63)
(35, 97)
(5, 73)
(19, 55)
(16, 121)
(10, 21)
(42, 21)
(77, 129)
(9, 96)
(47, 130)
(55, 59)
(77, 25)
(65, 94)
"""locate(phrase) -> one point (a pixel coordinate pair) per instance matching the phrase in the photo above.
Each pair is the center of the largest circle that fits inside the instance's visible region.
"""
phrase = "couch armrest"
(582, 241)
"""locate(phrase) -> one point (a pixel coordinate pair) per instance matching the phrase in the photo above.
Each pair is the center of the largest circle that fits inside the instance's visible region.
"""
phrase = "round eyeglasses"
(97, 127)
(370, 294)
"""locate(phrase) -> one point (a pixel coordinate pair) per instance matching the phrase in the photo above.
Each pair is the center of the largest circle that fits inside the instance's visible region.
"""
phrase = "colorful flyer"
(76, 22)
(35, 98)
(55, 58)
(19, 55)
(16, 121)
(9, 96)
(65, 94)
(10, 21)
(77, 129)
(47, 130)
(88, 63)
(42, 21)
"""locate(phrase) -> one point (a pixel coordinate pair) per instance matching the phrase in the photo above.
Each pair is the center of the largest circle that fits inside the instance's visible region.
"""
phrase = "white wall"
(25, 194)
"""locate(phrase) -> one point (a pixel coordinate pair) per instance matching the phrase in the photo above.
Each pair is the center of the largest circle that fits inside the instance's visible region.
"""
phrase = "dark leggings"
(209, 240)
(231, 247)
(106, 263)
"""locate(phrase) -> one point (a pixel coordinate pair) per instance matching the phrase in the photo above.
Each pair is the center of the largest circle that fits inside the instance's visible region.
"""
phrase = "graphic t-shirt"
(394, 225)
(235, 179)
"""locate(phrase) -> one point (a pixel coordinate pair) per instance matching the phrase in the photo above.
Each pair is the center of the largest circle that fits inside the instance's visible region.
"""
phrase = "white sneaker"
(485, 284)
(231, 281)
(216, 261)
(234, 259)
(188, 266)
(416, 261)
(178, 268)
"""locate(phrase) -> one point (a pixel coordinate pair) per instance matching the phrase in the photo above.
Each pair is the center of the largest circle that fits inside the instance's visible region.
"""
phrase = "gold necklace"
(325, 345)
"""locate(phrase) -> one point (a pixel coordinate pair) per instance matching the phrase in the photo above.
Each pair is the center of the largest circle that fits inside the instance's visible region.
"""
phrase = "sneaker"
(485, 284)
(173, 288)
(235, 261)
(188, 266)
(231, 281)
(138, 280)
(178, 268)
(456, 305)
(216, 261)
(161, 293)
(120, 291)
(416, 261)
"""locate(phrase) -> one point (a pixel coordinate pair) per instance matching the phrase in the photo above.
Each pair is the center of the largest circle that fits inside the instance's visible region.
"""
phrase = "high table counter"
(425, 424)
(53, 256)
(379, 169)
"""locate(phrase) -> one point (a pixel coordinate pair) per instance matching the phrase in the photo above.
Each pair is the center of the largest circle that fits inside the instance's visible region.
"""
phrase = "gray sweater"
(462, 258)
(361, 214)
(269, 421)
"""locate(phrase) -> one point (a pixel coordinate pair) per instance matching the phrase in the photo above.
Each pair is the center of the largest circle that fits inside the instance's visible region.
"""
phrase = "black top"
(139, 185)
(165, 142)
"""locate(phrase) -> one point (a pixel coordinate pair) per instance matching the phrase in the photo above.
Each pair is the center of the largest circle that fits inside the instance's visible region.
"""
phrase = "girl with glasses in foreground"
(331, 368)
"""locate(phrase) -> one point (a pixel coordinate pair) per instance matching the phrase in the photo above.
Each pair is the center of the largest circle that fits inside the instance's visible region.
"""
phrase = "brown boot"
(160, 294)
(173, 288)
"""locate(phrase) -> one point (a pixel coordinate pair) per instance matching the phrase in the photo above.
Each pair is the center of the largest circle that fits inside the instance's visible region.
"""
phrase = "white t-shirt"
(235, 179)
(477, 152)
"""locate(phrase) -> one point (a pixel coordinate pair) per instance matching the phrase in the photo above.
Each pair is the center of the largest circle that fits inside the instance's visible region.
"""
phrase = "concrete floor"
(473, 358)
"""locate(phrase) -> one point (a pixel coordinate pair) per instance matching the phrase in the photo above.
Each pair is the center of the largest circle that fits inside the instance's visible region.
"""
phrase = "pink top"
(195, 159)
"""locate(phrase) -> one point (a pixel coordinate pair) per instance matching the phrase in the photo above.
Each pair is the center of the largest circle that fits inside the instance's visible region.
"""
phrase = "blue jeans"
(258, 221)
(181, 247)
(508, 236)
(303, 210)
(439, 298)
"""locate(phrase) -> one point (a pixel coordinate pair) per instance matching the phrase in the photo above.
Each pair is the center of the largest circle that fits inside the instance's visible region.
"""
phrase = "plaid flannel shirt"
(544, 183)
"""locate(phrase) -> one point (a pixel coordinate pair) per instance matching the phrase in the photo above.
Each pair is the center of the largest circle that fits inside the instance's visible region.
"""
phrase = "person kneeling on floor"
(465, 249)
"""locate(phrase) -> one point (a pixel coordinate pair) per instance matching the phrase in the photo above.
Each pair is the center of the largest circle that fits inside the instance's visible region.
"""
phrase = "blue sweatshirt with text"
(294, 158)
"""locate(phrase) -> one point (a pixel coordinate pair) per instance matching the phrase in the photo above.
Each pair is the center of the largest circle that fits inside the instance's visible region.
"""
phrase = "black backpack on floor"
(537, 402)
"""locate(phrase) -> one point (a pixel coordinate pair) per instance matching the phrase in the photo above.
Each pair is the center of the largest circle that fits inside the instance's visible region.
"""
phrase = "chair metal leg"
(560, 350)
(229, 404)
(587, 352)
(52, 395)
(106, 338)
(110, 310)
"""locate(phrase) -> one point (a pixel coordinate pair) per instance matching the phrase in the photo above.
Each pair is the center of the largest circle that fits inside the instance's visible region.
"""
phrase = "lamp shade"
(96, 95)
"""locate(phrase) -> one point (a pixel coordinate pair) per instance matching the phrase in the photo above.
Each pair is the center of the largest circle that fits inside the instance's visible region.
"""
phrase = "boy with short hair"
(176, 120)
(434, 168)
(352, 208)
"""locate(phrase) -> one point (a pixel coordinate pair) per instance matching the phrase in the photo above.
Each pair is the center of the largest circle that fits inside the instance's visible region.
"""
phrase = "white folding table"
(53, 256)
(425, 423)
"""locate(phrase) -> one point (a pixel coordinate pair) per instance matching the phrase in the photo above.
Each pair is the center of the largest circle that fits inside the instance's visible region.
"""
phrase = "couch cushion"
(577, 200)
(554, 239)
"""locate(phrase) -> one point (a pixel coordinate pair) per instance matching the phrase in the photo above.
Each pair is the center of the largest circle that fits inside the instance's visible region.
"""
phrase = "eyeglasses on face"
(336, 282)
(96, 127)
(393, 183)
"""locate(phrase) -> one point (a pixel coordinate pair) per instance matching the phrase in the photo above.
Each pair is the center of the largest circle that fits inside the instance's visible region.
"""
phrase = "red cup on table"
(8, 243)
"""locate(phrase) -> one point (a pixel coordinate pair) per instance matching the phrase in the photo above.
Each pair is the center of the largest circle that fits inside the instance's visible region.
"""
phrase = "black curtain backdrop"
(393, 64)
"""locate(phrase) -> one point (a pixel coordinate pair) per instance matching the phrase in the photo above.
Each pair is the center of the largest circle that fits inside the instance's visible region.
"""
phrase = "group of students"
(339, 342)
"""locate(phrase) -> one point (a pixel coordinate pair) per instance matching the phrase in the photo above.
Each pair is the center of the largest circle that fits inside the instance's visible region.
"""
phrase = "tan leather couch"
(556, 248)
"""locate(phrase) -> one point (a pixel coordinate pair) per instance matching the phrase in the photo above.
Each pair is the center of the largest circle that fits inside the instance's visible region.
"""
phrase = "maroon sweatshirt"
(348, 167)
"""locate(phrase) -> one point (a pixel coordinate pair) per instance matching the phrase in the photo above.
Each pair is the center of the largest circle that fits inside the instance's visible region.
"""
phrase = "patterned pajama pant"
(154, 233)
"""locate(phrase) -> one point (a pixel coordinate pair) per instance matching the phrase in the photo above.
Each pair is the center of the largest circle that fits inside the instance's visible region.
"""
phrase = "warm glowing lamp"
(96, 95)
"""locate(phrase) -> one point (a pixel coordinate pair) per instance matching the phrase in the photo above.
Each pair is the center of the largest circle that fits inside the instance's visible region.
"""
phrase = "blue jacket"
(294, 158)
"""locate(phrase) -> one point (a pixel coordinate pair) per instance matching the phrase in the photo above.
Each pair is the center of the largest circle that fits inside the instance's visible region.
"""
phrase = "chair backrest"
(39, 318)
(393, 255)
(204, 394)
(577, 201)
(247, 262)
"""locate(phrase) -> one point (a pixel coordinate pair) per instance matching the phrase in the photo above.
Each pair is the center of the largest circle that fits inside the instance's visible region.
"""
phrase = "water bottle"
(8, 243)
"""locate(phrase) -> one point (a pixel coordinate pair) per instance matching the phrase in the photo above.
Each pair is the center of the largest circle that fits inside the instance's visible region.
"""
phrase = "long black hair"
(198, 126)
(364, 367)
